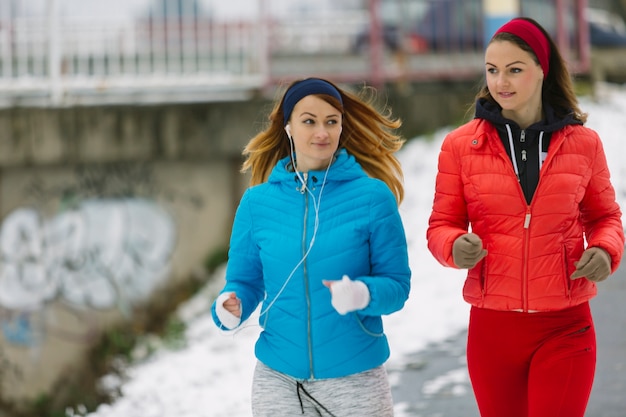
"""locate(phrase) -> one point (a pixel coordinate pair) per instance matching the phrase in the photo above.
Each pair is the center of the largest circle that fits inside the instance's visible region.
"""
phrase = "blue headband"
(305, 88)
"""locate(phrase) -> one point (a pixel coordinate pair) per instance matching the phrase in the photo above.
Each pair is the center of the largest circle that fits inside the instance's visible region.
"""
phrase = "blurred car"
(457, 25)
(397, 24)
(428, 25)
(452, 25)
(606, 29)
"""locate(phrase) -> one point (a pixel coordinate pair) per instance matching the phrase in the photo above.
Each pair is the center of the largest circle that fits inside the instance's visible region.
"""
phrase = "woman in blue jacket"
(318, 241)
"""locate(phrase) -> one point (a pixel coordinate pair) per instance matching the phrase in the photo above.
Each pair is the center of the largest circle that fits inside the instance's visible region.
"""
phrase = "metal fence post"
(264, 43)
(54, 52)
(376, 45)
(584, 45)
(5, 41)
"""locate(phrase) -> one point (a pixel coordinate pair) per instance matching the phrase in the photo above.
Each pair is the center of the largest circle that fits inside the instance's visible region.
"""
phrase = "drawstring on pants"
(300, 387)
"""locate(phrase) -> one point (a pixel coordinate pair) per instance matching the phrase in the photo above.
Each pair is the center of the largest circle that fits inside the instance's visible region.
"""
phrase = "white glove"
(228, 319)
(348, 295)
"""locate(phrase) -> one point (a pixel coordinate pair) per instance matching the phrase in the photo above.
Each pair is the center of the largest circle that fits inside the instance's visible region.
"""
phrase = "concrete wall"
(103, 207)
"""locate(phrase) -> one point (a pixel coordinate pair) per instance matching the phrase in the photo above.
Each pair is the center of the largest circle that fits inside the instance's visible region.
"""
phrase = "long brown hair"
(367, 134)
(558, 87)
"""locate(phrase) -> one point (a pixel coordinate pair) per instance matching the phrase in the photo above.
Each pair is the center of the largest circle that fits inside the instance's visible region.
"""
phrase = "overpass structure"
(176, 51)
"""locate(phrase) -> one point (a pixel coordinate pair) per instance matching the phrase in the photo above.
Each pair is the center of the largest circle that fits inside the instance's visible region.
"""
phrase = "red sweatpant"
(532, 364)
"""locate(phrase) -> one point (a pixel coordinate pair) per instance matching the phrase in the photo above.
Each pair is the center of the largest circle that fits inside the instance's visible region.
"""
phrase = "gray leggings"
(360, 395)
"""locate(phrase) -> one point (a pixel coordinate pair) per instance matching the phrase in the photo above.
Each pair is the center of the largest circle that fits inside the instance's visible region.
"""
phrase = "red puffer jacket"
(531, 248)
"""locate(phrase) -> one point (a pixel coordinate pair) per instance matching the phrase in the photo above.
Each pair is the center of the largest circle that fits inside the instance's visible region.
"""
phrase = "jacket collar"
(492, 112)
(344, 168)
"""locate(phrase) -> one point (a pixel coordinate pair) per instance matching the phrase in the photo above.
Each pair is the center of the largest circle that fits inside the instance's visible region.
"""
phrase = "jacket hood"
(343, 168)
(492, 112)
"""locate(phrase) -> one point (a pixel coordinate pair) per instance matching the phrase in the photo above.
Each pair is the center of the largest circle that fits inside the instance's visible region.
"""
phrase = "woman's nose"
(322, 131)
(502, 78)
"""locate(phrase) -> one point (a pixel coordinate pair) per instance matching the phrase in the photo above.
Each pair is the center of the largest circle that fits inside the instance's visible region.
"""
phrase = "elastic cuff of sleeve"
(228, 319)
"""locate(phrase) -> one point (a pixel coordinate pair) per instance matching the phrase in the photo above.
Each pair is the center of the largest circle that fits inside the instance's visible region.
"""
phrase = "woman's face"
(514, 80)
(315, 127)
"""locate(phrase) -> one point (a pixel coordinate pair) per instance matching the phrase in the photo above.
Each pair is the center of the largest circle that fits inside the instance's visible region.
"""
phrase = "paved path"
(435, 384)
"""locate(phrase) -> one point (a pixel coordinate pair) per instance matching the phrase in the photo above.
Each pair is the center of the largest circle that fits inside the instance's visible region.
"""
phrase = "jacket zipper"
(524, 169)
(515, 170)
(555, 146)
(525, 260)
(307, 295)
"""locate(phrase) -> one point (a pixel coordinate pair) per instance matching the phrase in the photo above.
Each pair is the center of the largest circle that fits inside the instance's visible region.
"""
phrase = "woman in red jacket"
(523, 200)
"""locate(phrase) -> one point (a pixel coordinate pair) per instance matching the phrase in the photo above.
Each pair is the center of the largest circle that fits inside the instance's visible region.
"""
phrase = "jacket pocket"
(482, 278)
(475, 286)
(566, 273)
(371, 326)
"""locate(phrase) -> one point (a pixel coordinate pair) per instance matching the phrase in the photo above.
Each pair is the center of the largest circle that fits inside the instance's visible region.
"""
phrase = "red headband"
(530, 34)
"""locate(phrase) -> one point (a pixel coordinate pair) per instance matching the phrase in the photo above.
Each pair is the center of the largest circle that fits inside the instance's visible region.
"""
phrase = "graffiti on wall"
(94, 255)
(108, 245)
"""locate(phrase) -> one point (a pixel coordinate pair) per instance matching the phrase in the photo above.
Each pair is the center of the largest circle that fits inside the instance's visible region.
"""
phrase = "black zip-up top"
(529, 146)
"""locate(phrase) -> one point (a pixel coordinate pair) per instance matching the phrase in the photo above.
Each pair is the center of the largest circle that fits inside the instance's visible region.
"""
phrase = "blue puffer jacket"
(280, 252)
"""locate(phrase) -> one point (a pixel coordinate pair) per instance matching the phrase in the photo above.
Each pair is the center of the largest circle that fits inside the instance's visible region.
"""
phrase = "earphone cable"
(316, 208)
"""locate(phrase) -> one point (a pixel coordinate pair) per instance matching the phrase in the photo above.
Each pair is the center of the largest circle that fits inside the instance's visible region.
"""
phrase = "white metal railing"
(50, 59)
